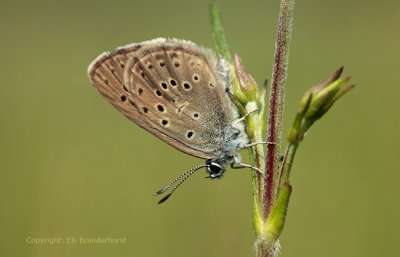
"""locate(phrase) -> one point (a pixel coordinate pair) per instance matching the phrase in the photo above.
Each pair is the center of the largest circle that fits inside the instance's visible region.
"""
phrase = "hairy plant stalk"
(271, 187)
(267, 244)
(276, 105)
(249, 98)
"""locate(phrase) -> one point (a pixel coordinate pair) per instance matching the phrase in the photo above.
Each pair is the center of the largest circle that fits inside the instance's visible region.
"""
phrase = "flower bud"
(324, 95)
(248, 86)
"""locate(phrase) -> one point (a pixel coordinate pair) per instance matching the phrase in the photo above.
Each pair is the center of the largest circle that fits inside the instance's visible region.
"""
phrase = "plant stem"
(277, 94)
(269, 210)
(218, 32)
(271, 187)
(295, 137)
(287, 165)
(267, 244)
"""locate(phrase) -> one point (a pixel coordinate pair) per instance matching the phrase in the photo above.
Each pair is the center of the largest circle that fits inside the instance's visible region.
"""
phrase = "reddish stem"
(276, 106)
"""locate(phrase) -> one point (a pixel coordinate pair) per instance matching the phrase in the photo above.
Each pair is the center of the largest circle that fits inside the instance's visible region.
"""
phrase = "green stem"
(296, 134)
(218, 32)
(287, 165)
(257, 153)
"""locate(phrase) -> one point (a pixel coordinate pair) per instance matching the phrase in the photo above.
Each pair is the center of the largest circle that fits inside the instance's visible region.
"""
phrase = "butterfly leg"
(242, 166)
(241, 108)
(257, 143)
(243, 118)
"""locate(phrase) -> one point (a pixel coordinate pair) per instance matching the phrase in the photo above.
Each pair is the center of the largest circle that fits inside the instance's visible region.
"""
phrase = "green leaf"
(276, 220)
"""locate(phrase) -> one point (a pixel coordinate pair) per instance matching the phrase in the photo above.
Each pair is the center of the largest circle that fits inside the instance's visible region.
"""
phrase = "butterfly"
(178, 92)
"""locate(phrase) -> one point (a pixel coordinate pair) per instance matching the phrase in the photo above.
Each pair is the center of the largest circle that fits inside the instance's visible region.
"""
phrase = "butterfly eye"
(214, 168)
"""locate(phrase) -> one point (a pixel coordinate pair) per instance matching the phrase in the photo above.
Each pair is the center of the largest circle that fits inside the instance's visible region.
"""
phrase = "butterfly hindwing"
(171, 89)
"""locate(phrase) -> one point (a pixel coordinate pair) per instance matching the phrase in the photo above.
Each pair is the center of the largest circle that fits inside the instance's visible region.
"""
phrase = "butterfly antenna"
(184, 176)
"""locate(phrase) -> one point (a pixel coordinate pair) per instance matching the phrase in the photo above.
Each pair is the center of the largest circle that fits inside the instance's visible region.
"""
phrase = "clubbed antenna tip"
(161, 191)
(165, 198)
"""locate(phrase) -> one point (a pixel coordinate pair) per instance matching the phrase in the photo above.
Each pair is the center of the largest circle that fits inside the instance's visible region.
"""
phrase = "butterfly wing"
(171, 89)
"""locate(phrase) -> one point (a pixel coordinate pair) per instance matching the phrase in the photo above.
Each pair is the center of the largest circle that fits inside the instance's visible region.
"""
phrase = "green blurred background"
(71, 165)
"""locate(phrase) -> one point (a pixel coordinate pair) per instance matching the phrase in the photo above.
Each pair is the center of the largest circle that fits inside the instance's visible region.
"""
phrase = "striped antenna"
(184, 176)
